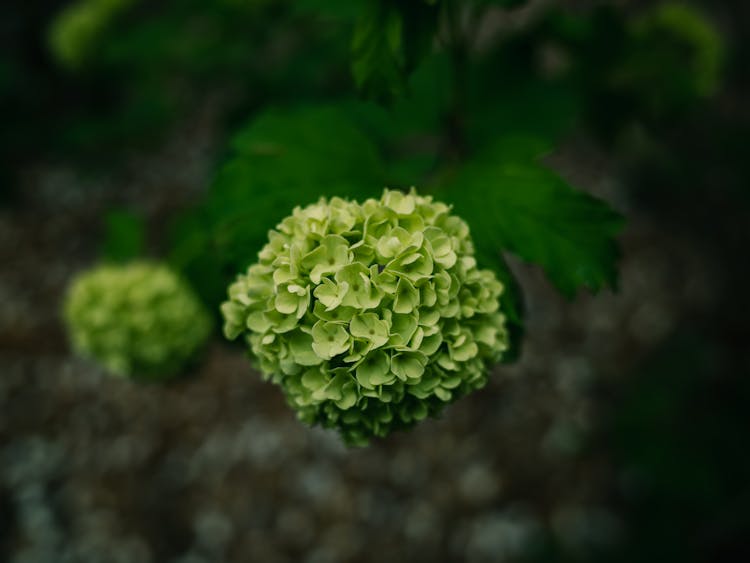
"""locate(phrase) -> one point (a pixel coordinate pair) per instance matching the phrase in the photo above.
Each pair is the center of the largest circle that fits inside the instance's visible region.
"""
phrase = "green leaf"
(377, 51)
(124, 236)
(194, 254)
(288, 158)
(419, 113)
(408, 129)
(281, 159)
(390, 38)
(514, 203)
(518, 104)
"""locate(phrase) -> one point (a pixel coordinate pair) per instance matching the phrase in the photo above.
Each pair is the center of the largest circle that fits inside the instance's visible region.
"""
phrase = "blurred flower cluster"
(80, 26)
(138, 319)
(675, 60)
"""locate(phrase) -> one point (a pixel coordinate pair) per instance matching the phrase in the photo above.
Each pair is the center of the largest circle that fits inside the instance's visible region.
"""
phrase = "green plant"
(468, 119)
(675, 60)
(137, 67)
(474, 144)
(78, 30)
(138, 319)
(370, 317)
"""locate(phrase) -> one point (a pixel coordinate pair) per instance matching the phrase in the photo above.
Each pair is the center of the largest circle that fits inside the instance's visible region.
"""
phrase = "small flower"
(375, 370)
(331, 294)
(302, 348)
(415, 266)
(442, 247)
(370, 328)
(292, 299)
(329, 339)
(402, 327)
(401, 203)
(328, 258)
(362, 294)
(397, 241)
(406, 298)
(408, 365)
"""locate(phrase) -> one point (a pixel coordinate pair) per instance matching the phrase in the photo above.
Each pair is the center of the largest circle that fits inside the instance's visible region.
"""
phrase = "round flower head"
(370, 317)
(77, 30)
(676, 58)
(137, 320)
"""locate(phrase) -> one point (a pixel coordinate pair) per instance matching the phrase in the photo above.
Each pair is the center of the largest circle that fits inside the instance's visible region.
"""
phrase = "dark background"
(621, 434)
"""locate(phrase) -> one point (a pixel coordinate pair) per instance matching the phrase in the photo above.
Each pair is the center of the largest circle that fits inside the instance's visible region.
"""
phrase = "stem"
(456, 118)
(460, 39)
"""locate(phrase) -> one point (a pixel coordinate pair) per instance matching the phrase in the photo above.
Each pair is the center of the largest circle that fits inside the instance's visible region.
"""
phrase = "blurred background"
(620, 434)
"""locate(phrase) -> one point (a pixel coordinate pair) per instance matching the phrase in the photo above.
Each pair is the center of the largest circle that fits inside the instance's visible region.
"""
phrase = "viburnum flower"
(138, 319)
(370, 316)
(77, 31)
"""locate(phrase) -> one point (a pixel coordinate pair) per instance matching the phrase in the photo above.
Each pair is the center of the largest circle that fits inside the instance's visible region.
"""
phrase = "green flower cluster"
(76, 31)
(370, 317)
(137, 320)
(676, 58)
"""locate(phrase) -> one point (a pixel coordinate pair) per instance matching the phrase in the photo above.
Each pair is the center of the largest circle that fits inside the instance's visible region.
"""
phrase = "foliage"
(154, 62)
(510, 201)
(469, 111)
(138, 320)
(79, 29)
(282, 157)
(124, 237)
(654, 67)
(370, 317)
(391, 36)
(520, 206)
(675, 37)
(470, 125)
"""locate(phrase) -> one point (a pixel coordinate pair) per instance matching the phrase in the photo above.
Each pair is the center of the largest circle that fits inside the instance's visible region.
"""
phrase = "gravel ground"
(214, 467)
